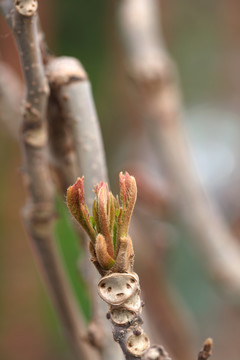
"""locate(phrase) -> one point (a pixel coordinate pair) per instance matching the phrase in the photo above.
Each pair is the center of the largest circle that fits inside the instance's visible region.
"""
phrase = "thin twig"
(154, 76)
(39, 213)
(71, 90)
(206, 352)
(119, 286)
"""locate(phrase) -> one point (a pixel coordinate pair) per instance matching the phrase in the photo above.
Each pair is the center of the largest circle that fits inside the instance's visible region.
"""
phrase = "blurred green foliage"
(81, 29)
(70, 250)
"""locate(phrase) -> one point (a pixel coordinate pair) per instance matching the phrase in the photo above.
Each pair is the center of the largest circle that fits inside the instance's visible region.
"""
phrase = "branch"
(119, 286)
(39, 213)
(206, 352)
(70, 86)
(71, 92)
(62, 152)
(154, 76)
(63, 156)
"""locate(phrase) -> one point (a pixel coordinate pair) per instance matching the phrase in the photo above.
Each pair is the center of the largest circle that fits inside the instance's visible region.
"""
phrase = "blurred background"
(203, 40)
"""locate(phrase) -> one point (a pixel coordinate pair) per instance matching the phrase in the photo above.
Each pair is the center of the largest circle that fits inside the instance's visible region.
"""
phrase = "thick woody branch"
(62, 152)
(78, 129)
(154, 76)
(70, 85)
(39, 213)
(63, 158)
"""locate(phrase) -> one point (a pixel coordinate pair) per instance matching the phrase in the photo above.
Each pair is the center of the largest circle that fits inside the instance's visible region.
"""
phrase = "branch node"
(64, 70)
(137, 344)
(26, 7)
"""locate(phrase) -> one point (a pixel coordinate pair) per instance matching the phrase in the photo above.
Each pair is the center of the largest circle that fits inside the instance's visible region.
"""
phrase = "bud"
(128, 196)
(78, 208)
(103, 257)
(111, 246)
(102, 206)
(124, 259)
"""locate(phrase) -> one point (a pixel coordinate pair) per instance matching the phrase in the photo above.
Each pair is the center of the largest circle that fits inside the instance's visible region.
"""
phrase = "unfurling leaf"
(78, 208)
(103, 257)
(111, 246)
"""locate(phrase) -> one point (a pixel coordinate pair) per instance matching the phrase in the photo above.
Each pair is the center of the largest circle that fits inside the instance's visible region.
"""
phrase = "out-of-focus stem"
(62, 152)
(206, 351)
(71, 90)
(39, 212)
(70, 85)
(154, 76)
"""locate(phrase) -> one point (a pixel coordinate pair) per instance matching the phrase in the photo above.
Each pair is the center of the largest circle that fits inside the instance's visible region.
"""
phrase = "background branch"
(72, 92)
(157, 95)
(39, 212)
(206, 351)
(62, 152)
